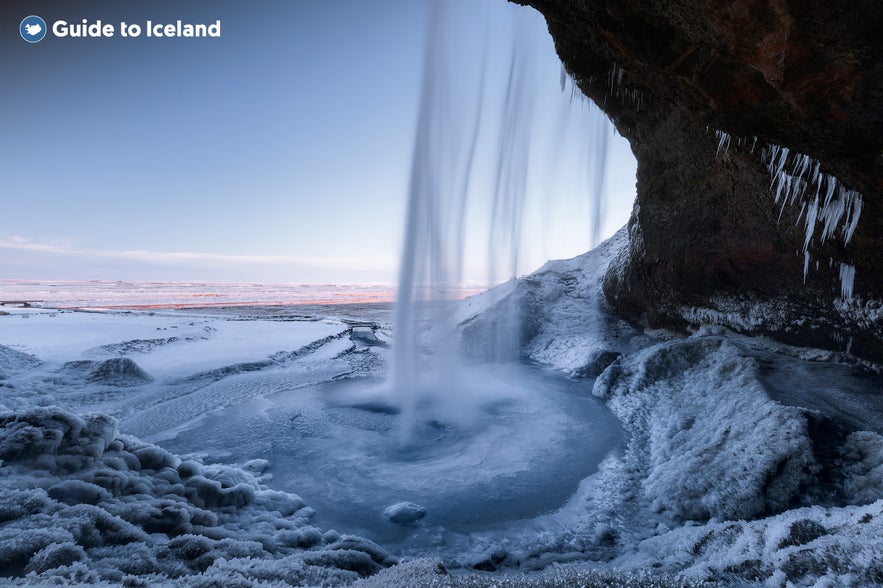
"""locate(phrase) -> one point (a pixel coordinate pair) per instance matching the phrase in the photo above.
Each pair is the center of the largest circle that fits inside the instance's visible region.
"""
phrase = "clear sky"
(279, 152)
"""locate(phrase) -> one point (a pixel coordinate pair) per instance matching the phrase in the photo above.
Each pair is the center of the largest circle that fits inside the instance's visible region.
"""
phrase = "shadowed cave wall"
(708, 240)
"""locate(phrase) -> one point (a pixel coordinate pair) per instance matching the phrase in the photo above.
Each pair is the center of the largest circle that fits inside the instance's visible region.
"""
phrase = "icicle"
(847, 280)
(812, 214)
(723, 142)
(783, 156)
(855, 210)
(802, 208)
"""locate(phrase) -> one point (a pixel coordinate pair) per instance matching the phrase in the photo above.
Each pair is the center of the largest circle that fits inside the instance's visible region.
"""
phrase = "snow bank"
(13, 362)
(556, 316)
(811, 546)
(82, 503)
(432, 572)
(706, 440)
(717, 481)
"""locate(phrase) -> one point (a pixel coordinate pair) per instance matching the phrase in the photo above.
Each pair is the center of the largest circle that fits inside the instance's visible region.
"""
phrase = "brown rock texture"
(709, 243)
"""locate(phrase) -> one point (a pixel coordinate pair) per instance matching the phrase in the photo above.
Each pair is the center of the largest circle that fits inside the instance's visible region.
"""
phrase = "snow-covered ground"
(253, 447)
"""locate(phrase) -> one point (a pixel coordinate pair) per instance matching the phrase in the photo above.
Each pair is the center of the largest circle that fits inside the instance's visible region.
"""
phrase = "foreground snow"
(83, 503)
(724, 432)
(744, 461)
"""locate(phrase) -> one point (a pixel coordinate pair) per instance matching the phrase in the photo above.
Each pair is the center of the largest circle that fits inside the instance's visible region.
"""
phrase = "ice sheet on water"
(338, 445)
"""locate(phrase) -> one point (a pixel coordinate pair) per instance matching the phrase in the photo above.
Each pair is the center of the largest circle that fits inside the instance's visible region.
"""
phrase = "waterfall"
(473, 144)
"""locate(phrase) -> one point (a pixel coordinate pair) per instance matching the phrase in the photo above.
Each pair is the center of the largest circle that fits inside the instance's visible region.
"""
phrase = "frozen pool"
(520, 452)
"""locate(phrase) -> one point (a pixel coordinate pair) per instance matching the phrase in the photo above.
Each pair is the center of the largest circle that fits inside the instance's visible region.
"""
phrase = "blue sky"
(279, 152)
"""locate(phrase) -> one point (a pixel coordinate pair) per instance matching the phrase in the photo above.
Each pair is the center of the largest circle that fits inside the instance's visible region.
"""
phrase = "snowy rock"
(706, 439)
(366, 336)
(81, 503)
(12, 362)
(118, 371)
(404, 513)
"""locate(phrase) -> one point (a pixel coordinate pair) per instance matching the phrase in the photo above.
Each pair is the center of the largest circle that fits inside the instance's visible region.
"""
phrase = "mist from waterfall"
(473, 158)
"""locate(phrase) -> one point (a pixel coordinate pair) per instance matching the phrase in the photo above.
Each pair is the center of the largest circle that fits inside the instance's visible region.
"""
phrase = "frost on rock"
(706, 440)
(709, 461)
(81, 503)
(811, 546)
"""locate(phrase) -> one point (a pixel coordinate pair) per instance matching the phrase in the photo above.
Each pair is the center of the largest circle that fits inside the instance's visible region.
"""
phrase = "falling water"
(454, 117)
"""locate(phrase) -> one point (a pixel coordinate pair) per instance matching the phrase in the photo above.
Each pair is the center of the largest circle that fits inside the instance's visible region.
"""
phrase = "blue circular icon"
(32, 29)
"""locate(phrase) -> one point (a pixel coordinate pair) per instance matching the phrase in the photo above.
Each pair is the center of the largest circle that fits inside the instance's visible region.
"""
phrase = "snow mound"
(556, 316)
(432, 572)
(706, 439)
(811, 546)
(118, 371)
(82, 503)
(13, 362)
(404, 513)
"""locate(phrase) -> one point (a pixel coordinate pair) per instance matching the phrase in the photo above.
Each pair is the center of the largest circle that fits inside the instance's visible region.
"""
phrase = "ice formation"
(832, 204)
(723, 142)
(847, 278)
(823, 199)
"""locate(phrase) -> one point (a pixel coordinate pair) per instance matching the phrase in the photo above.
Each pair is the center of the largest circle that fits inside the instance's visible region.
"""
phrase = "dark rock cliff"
(709, 93)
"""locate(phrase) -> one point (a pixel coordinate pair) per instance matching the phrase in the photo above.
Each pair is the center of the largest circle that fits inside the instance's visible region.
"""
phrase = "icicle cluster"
(724, 139)
(723, 142)
(628, 96)
(568, 82)
(824, 199)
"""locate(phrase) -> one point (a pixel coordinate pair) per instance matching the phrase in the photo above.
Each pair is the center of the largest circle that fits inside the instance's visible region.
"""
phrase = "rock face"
(708, 93)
